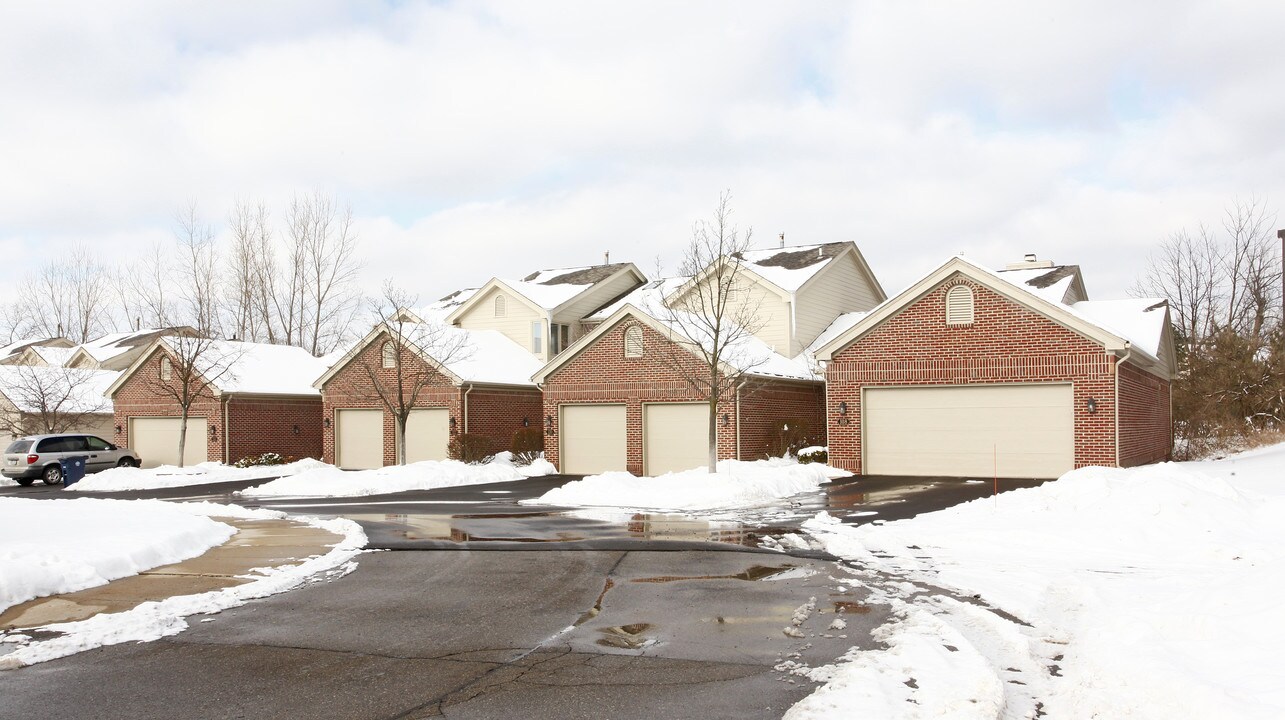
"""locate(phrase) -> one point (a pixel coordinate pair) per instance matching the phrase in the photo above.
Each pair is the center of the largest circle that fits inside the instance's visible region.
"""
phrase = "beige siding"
(771, 311)
(516, 323)
(837, 289)
(595, 298)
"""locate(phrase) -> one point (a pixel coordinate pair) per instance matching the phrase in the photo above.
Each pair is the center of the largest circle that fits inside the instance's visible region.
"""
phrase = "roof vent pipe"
(782, 239)
(1030, 257)
(606, 258)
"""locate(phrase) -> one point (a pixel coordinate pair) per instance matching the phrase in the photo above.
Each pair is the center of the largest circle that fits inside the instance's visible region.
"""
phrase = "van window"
(97, 443)
(18, 446)
(68, 443)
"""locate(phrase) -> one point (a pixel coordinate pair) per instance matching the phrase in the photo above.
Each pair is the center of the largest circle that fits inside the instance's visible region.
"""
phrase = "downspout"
(739, 385)
(1128, 350)
(227, 443)
(465, 422)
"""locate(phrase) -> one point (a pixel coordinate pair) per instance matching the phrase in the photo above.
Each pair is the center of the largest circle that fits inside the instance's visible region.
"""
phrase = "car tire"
(127, 462)
(25, 482)
(52, 475)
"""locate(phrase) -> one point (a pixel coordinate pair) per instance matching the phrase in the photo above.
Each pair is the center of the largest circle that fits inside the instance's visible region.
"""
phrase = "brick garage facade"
(255, 423)
(1006, 343)
(602, 374)
(494, 412)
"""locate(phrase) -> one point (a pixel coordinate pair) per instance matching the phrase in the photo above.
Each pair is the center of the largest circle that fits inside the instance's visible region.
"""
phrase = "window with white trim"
(634, 342)
(959, 305)
(537, 336)
(167, 369)
(390, 355)
(499, 306)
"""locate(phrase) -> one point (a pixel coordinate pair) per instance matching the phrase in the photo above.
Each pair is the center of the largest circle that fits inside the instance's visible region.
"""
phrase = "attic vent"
(959, 305)
(499, 306)
(390, 355)
(167, 369)
(633, 342)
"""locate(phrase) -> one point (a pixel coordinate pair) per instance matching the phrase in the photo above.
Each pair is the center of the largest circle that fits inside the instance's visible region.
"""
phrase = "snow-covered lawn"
(330, 481)
(167, 476)
(57, 546)
(108, 539)
(1154, 591)
(737, 484)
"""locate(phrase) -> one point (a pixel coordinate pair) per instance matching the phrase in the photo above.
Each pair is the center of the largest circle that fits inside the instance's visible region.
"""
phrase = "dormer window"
(959, 305)
(390, 355)
(499, 306)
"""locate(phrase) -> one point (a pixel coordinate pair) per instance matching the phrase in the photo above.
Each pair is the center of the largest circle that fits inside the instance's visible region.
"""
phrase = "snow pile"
(330, 481)
(154, 620)
(167, 476)
(1152, 590)
(736, 484)
(58, 546)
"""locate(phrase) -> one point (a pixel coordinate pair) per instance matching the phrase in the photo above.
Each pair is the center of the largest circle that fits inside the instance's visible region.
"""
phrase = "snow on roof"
(1141, 321)
(25, 384)
(1049, 283)
(259, 368)
(790, 267)
(18, 346)
(489, 356)
(648, 296)
(54, 355)
(748, 354)
(839, 326)
(109, 346)
(552, 288)
(444, 306)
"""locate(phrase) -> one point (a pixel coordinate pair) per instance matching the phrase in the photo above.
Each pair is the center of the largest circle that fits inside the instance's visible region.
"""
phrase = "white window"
(499, 306)
(634, 342)
(390, 355)
(537, 336)
(559, 338)
(959, 305)
(167, 369)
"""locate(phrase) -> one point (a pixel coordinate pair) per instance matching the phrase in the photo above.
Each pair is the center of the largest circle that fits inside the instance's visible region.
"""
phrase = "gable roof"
(57, 356)
(251, 368)
(489, 358)
(84, 389)
(757, 358)
(649, 296)
(105, 348)
(788, 270)
(1118, 325)
(1057, 283)
(18, 346)
(547, 291)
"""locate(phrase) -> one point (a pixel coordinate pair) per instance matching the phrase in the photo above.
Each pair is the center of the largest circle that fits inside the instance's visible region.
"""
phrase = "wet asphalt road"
(480, 607)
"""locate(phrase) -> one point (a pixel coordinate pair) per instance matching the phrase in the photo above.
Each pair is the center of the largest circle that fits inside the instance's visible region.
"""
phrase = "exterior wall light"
(548, 424)
(214, 431)
(526, 422)
(1092, 405)
(843, 408)
(452, 424)
(726, 420)
(326, 422)
(295, 429)
(118, 429)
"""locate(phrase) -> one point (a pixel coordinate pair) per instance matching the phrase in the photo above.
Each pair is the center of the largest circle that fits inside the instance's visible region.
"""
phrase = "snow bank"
(58, 546)
(154, 620)
(330, 481)
(1154, 589)
(167, 476)
(736, 484)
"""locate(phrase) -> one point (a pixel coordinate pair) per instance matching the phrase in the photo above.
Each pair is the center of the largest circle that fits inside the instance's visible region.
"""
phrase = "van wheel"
(53, 475)
(127, 462)
(25, 482)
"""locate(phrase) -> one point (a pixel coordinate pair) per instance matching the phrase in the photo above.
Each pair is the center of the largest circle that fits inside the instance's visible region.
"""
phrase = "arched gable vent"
(633, 342)
(959, 305)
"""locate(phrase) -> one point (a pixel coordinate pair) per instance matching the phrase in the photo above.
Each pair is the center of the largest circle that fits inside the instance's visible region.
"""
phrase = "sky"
(493, 138)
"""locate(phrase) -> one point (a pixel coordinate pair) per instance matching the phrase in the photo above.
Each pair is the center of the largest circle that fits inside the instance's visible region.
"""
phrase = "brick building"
(974, 373)
(251, 398)
(458, 381)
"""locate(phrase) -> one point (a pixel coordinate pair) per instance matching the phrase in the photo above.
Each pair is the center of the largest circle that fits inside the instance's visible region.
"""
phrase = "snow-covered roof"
(790, 267)
(23, 385)
(1141, 321)
(54, 355)
(258, 368)
(648, 296)
(840, 325)
(109, 346)
(1050, 283)
(490, 357)
(554, 287)
(18, 346)
(444, 306)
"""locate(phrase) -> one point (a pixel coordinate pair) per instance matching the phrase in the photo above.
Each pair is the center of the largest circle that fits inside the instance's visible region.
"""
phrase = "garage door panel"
(592, 439)
(675, 437)
(359, 439)
(427, 434)
(156, 440)
(970, 431)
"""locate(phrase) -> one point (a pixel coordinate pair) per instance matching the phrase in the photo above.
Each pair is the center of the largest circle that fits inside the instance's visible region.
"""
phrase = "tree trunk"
(400, 424)
(182, 436)
(713, 432)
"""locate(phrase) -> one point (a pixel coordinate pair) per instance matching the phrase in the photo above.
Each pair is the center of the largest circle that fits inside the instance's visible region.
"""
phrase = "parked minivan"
(37, 456)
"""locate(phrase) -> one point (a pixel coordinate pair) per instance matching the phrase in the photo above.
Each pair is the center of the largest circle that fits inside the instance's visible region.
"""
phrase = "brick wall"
(494, 413)
(289, 426)
(602, 374)
(1006, 343)
(138, 396)
(762, 403)
(1146, 428)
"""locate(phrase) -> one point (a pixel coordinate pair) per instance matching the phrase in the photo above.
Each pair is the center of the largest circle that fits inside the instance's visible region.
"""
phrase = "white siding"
(593, 299)
(516, 323)
(839, 288)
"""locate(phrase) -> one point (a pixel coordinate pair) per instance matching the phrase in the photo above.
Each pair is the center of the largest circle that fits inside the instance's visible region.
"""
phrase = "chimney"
(606, 258)
(1030, 262)
(782, 239)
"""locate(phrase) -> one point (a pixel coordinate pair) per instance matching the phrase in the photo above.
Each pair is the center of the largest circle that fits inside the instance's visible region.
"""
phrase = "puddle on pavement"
(754, 572)
(847, 607)
(626, 637)
(592, 612)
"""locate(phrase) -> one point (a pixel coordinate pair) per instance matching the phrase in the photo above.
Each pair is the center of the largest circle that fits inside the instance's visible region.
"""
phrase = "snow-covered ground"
(1149, 592)
(736, 484)
(57, 546)
(142, 524)
(330, 481)
(167, 476)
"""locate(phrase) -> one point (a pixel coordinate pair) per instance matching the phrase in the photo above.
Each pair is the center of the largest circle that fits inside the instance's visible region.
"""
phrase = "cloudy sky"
(493, 138)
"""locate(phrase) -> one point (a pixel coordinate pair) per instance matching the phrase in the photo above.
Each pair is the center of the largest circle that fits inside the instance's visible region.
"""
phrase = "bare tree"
(187, 370)
(252, 271)
(144, 290)
(714, 318)
(197, 271)
(322, 269)
(69, 297)
(50, 399)
(412, 356)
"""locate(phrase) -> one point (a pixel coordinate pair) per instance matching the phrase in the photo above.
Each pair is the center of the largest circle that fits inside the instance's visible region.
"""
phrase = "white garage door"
(675, 437)
(1013, 431)
(156, 441)
(592, 438)
(427, 434)
(359, 439)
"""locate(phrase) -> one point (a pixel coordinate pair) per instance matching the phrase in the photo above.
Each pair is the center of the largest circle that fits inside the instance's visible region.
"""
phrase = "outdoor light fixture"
(214, 431)
(843, 408)
(326, 422)
(526, 422)
(295, 429)
(118, 429)
(452, 423)
(548, 424)
(1092, 405)
(725, 420)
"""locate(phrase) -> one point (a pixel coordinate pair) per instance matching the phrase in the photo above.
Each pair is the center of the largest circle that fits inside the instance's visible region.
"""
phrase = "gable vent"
(634, 342)
(959, 306)
(499, 306)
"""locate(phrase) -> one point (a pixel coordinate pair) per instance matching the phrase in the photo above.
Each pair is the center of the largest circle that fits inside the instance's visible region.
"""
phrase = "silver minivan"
(37, 456)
